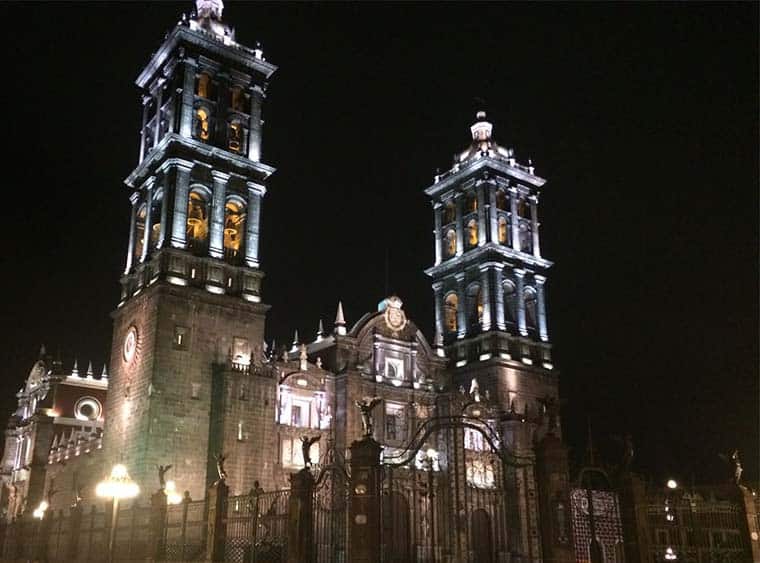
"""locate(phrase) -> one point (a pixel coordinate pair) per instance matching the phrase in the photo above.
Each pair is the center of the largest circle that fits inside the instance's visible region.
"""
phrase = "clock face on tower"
(130, 344)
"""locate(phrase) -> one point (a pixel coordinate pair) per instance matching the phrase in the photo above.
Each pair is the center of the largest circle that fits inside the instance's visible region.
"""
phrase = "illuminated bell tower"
(191, 288)
(489, 280)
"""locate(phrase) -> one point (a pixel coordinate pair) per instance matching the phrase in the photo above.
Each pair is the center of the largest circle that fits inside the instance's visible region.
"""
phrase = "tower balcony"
(499, 345)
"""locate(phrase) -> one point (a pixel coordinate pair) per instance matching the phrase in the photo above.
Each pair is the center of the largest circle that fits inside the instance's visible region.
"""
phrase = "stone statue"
(737, 467)
(220, 467)
(365, 406)
(162, 469)
(306, 443)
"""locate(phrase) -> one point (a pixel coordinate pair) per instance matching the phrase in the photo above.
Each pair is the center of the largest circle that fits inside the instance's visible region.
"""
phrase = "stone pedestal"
(217, 532)
(364, 502)
(157, 532)
(300, 517)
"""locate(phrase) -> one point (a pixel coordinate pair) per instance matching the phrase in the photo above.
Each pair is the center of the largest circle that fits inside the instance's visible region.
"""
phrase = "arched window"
(472, 233)
(530, 307)
(451, 305)
(474, 305)
(503, 231)
(471, 205)
(501, 200)
(203, 124)
(235, 141)
(203, 85)
(234, 229)
(451, 243)
(197, 221)
(449, 213)
(140, 232)
(523, 208)
(510, 302)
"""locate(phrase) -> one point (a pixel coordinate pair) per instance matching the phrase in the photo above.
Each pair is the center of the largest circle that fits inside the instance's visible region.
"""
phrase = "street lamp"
(172, 496)
(672, 484)
(670, 555)
(116, 486)
(39, 512)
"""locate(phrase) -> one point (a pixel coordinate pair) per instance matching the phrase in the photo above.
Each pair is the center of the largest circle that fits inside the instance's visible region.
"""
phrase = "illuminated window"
(292, 452)
(503, 231)
(203, 85)
(475, 305)
(235, 136)
(394, 370)
(501, 200)
(234, 228)
(530, 307)
(451, 243)
(394, 420)
(450, 305)
(471, 205)
(180, 338)
(473, 440)
(472, 233)
(449, 213)
(510, 302)
(195, 390)
(197, 219)
(480, 474)
(140, 231)
(203, 125)
(523, 208)
(155, 219)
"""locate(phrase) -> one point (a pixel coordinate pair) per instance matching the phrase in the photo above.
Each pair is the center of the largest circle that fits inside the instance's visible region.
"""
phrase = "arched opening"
(510, 302)
(203, 85)
(501, 200)
(450, 308)
(472, 233)
(482, 540)
(451, 243)
(474, 306)
(526, 238)
(396, 527)
(235, 140)
(449, 213)
(471, 203)
(203, 124)
(503, 230)
(531, 312)
(197, 222)
(234, 229)
(140, 231)
(523, 208)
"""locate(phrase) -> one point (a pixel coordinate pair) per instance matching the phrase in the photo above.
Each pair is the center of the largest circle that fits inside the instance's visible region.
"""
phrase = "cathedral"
(191, 377)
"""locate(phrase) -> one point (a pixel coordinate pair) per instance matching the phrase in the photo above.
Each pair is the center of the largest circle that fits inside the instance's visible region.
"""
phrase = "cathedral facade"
(190, 374)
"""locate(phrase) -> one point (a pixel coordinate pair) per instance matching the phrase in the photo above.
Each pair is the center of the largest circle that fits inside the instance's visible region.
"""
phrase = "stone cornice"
(490, 252)
(476, 165)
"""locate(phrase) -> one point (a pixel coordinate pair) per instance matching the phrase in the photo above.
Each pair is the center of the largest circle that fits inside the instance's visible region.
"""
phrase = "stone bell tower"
(191, 289)
(489, 280)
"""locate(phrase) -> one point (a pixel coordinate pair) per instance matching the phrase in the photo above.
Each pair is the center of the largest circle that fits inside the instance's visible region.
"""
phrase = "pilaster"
(188, 97)
(181, 189)
(438, 296)
(461, 306)
(255, 127)
(149, 192)
(541, 303)
(134, 198)
(216, 236)
(520, 283)
(460, 225)
(485, 289)
(499, 297)
(255, 193)
(492, 213)
(479, 192)
(534, 226)
(159, 109)
(437, 232)
(514, 219)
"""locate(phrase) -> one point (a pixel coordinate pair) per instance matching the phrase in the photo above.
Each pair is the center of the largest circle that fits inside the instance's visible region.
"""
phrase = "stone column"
(255, 193)
(479, 192)
(437, 232)
(520, 279)
(485, 295)
(492, 213)
(460, 225)
(515, 222)
(134, 198)
(149, 191)
(181, 192)
(159, 103)
(216, 236)
(461, 307)
(188, 97)
(146, 104)
(541, 306)
(534, 226)
(217, 528)
(300, 517)
(499, 297)
(364, 502)
(438, 296)
(157, 529)
(255, 127)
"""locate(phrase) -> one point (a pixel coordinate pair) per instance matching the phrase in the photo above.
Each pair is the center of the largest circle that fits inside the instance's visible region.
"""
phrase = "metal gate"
(330, 506)
(445, 495)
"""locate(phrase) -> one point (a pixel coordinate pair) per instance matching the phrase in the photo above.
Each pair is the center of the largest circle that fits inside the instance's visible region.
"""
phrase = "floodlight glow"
(172, 496)
(672, 484)
(39, 512)
(118, 485)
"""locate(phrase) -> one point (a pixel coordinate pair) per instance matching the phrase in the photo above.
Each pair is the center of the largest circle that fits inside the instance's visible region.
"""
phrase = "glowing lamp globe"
(672, 484)
(118, 485)
(39, 512)
(172, 496)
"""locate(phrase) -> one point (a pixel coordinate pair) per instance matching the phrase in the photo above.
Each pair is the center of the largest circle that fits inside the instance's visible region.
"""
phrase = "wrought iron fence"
(185, 532)
(330, 513)
(256, 527)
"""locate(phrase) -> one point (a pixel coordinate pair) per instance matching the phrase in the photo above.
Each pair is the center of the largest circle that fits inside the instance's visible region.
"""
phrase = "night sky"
(643, 118)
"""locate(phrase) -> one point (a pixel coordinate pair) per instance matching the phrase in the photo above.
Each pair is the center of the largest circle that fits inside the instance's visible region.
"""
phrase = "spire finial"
(340, 321)
(89, 370)
(294, 347)
(75, 369)
(320, 332)
(104, 373)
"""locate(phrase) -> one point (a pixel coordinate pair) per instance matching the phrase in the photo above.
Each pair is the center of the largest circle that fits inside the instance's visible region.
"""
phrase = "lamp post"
(116, 486)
